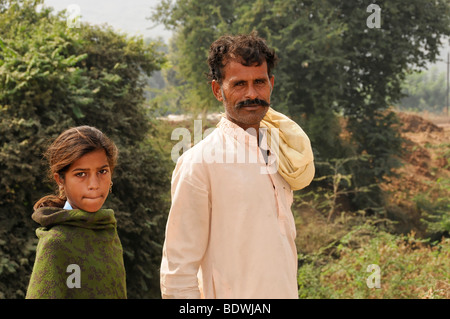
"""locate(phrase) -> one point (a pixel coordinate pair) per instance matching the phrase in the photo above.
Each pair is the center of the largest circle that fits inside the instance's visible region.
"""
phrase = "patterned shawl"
(79, 256)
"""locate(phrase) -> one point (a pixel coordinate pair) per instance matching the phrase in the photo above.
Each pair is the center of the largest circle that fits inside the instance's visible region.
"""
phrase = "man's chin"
(249, 118)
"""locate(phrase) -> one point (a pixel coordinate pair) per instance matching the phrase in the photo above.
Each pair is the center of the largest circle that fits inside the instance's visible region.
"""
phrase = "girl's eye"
(103, 171)
(81, 174)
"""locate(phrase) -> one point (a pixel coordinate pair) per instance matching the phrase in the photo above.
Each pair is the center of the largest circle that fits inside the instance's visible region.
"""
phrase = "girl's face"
(87, 181)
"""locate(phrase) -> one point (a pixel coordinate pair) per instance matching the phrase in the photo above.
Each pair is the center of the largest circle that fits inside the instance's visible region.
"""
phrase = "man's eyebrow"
(237, 81)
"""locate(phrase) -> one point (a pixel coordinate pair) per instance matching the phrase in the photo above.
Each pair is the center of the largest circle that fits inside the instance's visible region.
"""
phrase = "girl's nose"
(93, 183)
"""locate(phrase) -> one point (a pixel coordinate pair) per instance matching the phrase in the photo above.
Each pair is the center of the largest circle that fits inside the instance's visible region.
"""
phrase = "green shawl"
(77, 248)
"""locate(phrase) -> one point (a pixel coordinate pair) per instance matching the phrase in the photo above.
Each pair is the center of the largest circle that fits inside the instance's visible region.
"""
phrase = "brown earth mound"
(415, 124)
(426, 159)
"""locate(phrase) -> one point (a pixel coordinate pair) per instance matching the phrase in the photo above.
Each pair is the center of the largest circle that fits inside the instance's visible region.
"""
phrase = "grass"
(411, 248)
(409, 267)
(334, 255)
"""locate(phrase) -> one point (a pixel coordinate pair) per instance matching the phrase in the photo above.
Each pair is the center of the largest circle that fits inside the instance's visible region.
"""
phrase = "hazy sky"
(124, 16)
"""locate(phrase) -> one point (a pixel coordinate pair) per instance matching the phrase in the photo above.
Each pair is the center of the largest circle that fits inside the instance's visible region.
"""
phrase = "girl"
(79, 254)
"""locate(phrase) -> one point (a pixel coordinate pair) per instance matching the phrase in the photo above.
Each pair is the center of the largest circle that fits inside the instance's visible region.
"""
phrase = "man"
(230, 231)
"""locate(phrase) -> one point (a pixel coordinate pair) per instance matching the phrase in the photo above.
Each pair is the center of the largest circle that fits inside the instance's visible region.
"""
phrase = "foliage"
(409, 267)
(377, 136)
(330, 189)
(425, 91)
(336, 246)
(172, 97)
(53, 77)
(434, 206)
(331, 64)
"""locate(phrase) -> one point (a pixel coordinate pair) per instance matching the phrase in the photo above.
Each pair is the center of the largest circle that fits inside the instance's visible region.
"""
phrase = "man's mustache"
(252, 102)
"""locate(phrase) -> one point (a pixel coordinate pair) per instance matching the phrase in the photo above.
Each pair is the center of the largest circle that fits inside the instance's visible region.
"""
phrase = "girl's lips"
(95, 197)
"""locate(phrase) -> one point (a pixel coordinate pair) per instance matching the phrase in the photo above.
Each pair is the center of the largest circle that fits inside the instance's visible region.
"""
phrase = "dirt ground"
(426, 153)
(426, 161)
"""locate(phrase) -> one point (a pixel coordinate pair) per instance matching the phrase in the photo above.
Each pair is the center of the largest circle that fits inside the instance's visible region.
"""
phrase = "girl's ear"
(58, 179)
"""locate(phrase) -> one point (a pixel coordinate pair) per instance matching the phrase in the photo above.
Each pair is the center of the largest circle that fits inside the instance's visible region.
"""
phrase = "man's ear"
(216, 88)
(272, 81)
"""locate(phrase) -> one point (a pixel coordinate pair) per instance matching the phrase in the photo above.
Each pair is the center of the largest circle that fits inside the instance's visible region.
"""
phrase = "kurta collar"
(238, 132)
(249, 138)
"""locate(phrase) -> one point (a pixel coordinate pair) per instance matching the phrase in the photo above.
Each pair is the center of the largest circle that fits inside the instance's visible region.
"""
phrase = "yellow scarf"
(295, 156)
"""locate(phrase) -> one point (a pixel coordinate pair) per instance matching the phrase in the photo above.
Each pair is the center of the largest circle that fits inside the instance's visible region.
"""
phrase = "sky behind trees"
(123, 16)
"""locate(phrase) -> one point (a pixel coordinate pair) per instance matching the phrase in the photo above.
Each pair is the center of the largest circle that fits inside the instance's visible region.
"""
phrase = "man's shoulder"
(191, 166)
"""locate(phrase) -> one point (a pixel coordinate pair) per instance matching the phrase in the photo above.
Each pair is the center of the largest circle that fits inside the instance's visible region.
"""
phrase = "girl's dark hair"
(247, 49)
(68, 147)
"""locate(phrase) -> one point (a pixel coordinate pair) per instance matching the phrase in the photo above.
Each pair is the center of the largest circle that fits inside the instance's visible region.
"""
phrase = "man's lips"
(251, 107)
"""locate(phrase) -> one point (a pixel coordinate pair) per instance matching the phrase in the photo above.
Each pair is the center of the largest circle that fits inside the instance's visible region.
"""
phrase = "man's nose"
(251, 92)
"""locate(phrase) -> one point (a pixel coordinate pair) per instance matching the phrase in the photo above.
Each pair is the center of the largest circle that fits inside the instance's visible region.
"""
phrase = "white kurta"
(230, 223)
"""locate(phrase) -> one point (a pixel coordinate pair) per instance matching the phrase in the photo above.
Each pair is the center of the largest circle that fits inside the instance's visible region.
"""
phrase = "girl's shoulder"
(52, 216)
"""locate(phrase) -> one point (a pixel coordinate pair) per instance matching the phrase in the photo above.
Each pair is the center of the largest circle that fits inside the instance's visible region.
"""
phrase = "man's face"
(245, 93)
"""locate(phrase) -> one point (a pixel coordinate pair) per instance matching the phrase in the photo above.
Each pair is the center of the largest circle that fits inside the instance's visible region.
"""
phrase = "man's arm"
(187, 233)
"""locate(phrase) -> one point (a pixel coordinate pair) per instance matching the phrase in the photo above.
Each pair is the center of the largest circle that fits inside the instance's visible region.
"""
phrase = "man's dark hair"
(247, 49)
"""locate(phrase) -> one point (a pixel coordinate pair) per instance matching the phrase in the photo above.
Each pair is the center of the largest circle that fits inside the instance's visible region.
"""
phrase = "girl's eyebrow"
(88, 169)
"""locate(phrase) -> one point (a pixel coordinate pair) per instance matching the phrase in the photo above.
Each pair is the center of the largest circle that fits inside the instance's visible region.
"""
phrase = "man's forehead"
(235, 69)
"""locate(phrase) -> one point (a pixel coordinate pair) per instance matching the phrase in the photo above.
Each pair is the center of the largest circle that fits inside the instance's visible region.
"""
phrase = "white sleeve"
(187, 232)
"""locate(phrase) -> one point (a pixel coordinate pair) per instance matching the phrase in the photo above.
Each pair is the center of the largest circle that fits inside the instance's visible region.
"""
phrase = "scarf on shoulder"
(292, 148)
(79, 256)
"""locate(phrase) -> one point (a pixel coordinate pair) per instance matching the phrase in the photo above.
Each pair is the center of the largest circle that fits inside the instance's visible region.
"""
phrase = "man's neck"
(251, 129)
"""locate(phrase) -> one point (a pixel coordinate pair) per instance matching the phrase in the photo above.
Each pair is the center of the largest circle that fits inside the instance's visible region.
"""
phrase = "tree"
(333, 65)
(53, 77)
(189, 44)
(425, 91)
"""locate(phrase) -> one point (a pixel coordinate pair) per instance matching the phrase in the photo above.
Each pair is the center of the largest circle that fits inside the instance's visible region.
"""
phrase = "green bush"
(409, 267)
(53, 77)
(434, 206)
